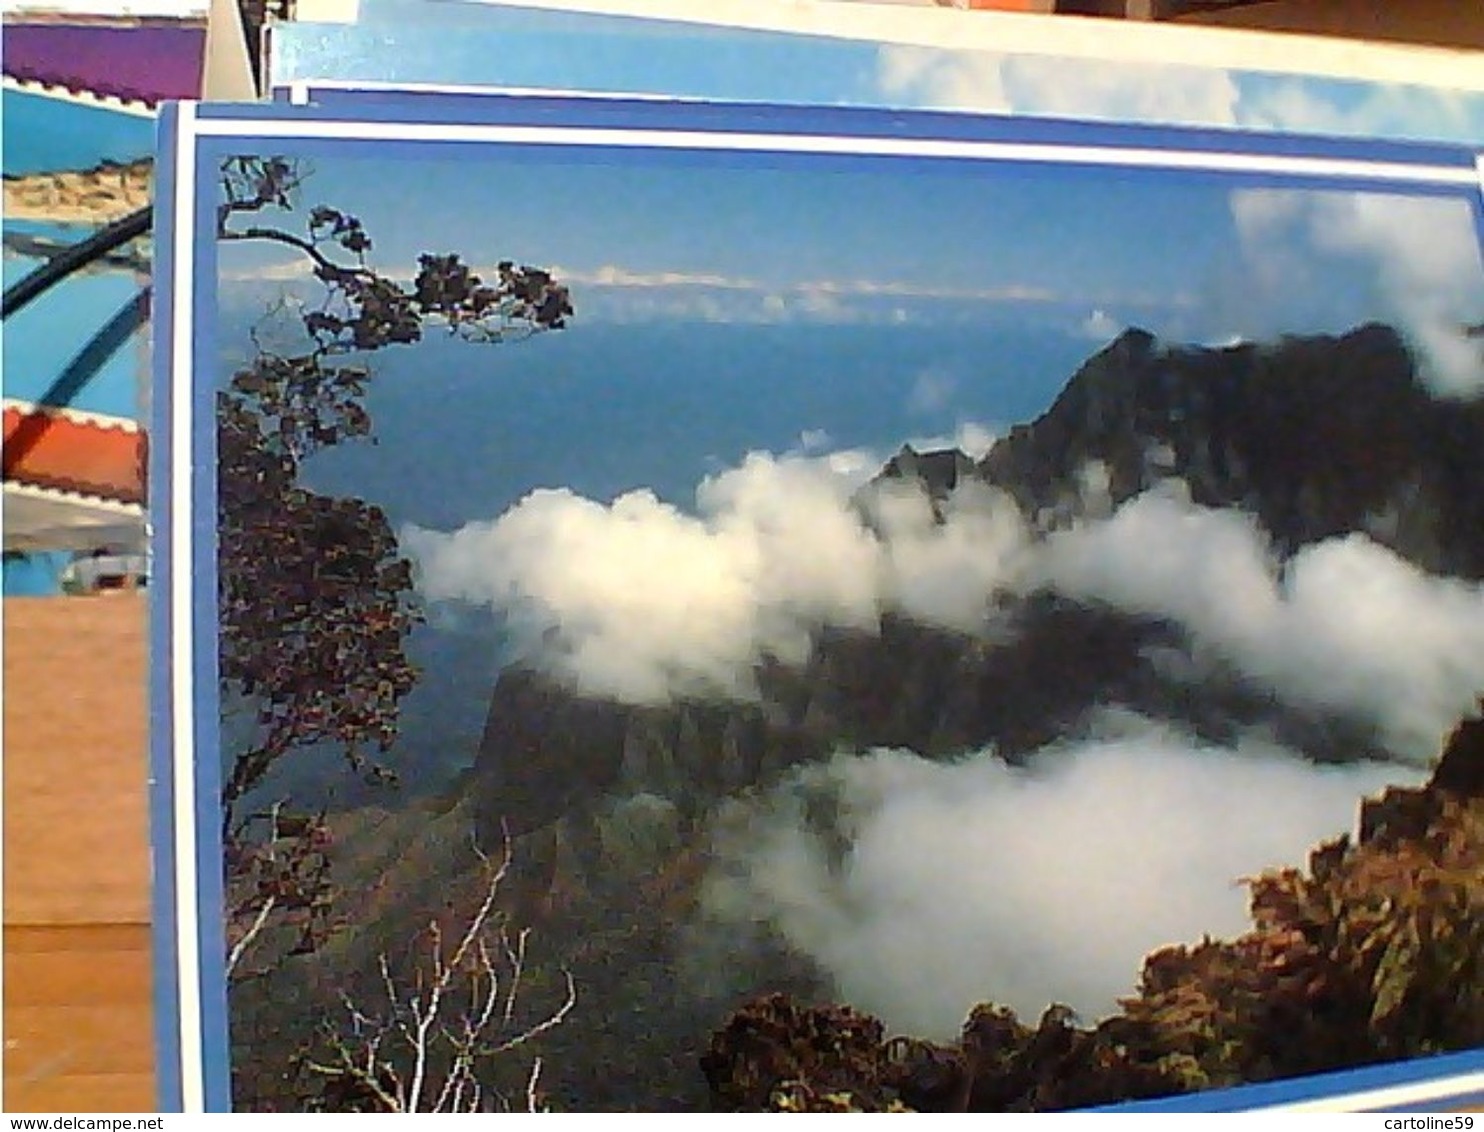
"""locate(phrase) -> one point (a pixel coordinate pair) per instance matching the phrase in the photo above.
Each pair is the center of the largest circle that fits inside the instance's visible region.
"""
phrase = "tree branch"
(279, 236)
(420, 1023)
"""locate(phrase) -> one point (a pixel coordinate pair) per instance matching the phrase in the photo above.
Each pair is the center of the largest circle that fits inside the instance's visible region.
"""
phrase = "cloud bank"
(644, 602)
(1135, 91)
(1345, 626)
(617, 293)
(1417, 257)
(923, 887)
(933, 886)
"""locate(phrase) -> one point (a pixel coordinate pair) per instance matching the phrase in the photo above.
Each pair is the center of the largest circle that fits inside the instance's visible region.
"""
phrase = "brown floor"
(77, 1026)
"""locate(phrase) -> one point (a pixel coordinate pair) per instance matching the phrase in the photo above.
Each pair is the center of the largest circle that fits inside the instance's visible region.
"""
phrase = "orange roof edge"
(84, 453)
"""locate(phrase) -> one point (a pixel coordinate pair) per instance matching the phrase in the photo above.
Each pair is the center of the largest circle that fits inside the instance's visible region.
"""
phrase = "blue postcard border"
(246, 123)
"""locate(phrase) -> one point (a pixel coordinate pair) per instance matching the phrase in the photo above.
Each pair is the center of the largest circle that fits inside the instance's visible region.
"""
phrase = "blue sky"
(908, 231)
(742, 238)
(399, 41)
(736, 217)
(1191, 261)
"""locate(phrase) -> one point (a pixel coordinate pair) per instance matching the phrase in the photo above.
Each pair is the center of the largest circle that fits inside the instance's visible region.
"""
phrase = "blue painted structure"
(69, 347)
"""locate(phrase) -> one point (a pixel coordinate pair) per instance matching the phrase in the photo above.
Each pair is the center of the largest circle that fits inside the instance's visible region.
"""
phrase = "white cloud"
(233, 269)
(643, 602)
(614, 292)
(1047, 86)
(613, 275)
(902, 289)
(1171, 93)
(1101, 326)
(935, 79)
(808, 290)
(969, 437)
(973, 440)
(1417, 256)
(970, 881)
(944, 573)
(820, 304)
(1229, 342)
(932, 391)
(814, 440)
(1346, 626)
(1369, 109)
(640, 601)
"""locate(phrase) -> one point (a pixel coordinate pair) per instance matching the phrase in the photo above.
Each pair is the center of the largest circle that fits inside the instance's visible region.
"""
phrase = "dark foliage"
(316, 601)
(1374, 953)
(279, 896)
(774, 1054)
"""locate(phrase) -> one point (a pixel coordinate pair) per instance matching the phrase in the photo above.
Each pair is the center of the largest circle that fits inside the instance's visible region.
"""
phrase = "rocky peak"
(1317, 436)
(939, 472)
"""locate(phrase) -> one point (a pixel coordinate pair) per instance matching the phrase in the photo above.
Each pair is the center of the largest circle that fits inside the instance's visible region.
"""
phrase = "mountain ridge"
(1315, 436)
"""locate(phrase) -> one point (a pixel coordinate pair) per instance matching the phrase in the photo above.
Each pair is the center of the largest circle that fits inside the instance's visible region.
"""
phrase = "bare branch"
(533, 1101)
(277, 874)
(442, 1046)
(250, 936)
(553, 1020)
(325, 666)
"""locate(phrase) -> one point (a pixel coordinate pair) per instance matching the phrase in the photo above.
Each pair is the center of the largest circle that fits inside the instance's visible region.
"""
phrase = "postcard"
(830, 53)
(703, 607)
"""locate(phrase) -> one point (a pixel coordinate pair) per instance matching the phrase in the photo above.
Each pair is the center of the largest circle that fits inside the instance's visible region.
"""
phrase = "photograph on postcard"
(841, 54)
(840, 628)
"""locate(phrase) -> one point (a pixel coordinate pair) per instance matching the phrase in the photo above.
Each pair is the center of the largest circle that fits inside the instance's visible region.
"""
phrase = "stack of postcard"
(836, 558)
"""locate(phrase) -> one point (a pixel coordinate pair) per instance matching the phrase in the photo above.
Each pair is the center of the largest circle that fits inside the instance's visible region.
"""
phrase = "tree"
(315, 599)
(316, 602)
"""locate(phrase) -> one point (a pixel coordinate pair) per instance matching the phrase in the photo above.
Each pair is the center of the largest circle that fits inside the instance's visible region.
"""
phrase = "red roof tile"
(85, 453)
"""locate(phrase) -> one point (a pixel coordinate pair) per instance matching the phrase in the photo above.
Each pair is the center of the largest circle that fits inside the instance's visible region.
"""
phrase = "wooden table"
(77, 1024)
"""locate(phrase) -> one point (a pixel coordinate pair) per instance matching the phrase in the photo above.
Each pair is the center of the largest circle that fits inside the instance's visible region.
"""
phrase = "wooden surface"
(77, 1024)
(1441, 23)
